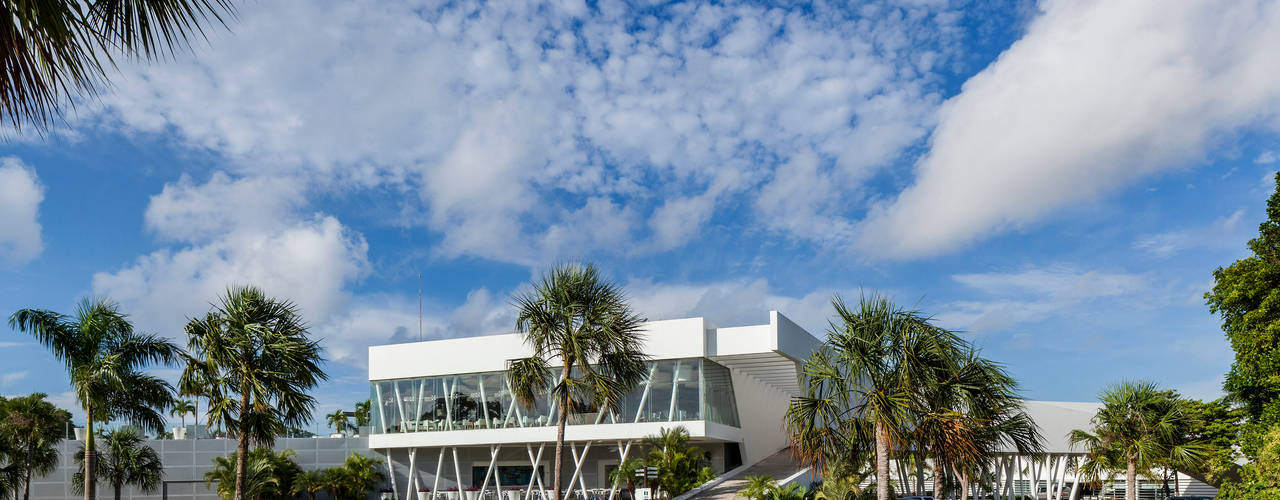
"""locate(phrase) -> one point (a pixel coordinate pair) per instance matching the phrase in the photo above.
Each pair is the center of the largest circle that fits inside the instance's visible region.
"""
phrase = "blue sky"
(1056, 179)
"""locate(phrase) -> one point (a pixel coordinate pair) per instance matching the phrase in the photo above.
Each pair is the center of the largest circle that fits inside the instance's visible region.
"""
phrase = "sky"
(1055, 179)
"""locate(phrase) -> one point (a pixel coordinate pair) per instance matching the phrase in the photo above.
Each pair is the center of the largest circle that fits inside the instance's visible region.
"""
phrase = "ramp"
(780, 466)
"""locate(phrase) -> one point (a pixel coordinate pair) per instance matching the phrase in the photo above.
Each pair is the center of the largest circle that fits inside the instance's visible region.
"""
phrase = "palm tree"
(307, 483)
(337, 419)
(582, 321)
(60, 50)
(1137, 427)
(864, 386)
(259, 480)
(361, 475)
(105, 357)
(257, 363)
(972, 416)
(181, 408)
(32, 428)
(681, 466)
(126, 462)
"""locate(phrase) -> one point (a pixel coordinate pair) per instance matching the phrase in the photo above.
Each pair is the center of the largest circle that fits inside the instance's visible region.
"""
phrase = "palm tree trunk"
(882, 462)
(561, 419)
(1131, 481)
(26, 473)
(90, 456)
(242, 446)
(963, 478)
(117, 488)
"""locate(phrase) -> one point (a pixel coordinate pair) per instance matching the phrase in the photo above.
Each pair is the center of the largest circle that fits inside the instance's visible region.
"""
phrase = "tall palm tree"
(105, 358)
(1137, 427)
(337, 419)
(972, 416)
(32, 428)
(865, 386)
(58, 50)
(126, 461)
(582, 321)
(180, 409)
(257, 363)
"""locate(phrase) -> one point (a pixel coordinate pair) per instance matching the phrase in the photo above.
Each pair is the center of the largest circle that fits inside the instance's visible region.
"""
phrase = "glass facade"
(675, 390)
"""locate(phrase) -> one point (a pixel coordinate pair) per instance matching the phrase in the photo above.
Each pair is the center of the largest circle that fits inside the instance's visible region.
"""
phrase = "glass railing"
(675, 390)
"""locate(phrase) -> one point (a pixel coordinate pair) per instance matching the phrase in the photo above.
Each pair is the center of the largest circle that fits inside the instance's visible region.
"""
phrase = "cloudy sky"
(1056, 179)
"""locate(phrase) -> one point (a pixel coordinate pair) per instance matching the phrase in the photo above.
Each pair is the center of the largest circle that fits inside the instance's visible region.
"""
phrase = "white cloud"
(1095, 95)
(309, 261)
(8, 379)
(1267, 158)
(194, 213)
(1223, 232)
(20, 197)
(1010, 299)
(513, 121)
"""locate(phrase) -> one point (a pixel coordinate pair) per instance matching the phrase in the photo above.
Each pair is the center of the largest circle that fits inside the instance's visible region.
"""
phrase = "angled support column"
(457, 471)
(493, 460)
(675, 391)
(411, 482)
(391, 473)
(435, 485)
(644, 396)
(622, 460)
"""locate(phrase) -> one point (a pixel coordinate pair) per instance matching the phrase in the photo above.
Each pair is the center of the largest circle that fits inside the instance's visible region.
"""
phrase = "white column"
(536, 461)
(622, 459)
(435, 485)
(675, 390)
(448, 405)
(382, 419)
(457, 471)
(411, 482)
(391, 473)
(399, 406)
(493, 459)
(484, 404)
(644, 396)
(417, 411)
(1075, 485)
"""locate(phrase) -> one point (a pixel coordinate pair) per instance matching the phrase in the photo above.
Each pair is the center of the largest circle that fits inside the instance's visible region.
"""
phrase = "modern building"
(445, 418)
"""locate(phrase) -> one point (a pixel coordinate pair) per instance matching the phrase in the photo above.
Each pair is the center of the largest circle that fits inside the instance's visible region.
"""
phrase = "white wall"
(760, 411)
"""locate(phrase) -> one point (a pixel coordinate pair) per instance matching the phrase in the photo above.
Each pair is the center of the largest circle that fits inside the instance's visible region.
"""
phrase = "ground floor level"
(523, 471)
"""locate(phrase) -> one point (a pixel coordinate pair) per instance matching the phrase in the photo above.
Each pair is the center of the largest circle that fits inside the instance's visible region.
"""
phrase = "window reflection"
(675, 390)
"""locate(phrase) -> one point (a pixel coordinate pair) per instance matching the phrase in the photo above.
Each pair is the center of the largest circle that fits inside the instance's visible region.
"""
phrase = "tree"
(681, 466)
(1259, 480)
(181, 408)
(360, 475)
(104, 357)
(864, 387)
(971, 416)
(1216, 424)
(32, 429)
(271, 475)
(1138, 427)
(126, 461)
(307, 483)
(1246, 295)
(338, 420)
(363, 415)
(256, 362)
(582, 321)
(61, 50)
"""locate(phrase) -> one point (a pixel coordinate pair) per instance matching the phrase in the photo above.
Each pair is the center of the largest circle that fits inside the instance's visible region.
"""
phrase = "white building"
(445, 420)
(443, 413)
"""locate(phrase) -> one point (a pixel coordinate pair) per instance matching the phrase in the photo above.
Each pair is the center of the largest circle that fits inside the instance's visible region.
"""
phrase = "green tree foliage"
(887, 381)
(61, 50)
(1138, 428)
(681, 466)
(363, 415)
(181, 409)
(1259, 480)
(255, 361)
(271, 475)
(337, 420)
(307, 483)
(767, 488)
(1246, 295)
(354, 480)
(1215, 424)
(104, 357)
(125, 461)
(577, 318)
(30, 429)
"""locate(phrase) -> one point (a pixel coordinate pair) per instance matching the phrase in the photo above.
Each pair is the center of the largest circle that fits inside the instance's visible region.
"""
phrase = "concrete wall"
(186, 461)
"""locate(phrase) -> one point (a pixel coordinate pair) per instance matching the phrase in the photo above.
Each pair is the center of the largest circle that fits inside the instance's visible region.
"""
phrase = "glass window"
(676, 390)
